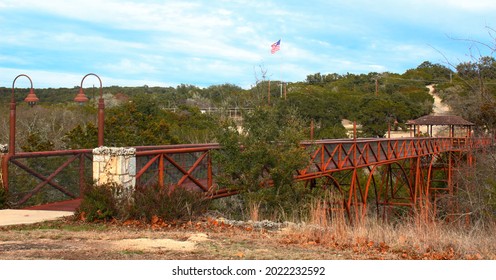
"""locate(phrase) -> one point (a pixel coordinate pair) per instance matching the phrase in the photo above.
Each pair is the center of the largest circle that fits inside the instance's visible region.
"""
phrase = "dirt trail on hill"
(439, 108)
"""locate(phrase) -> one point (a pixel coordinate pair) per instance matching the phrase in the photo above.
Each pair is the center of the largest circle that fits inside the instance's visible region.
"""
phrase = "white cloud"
(222, 41)
(208, 48)
(42, 78)
(46, 79)
(485, 6)
(128, 66)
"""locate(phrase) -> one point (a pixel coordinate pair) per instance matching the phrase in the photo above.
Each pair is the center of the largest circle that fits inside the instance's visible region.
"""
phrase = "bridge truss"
(388, 176)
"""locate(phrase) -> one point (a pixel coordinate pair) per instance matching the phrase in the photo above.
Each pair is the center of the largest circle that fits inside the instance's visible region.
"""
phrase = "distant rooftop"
(440, 120)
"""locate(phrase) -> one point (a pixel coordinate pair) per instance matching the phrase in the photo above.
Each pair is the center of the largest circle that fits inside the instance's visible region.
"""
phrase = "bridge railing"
(188, 166)
(33, 178)
(329, 156)
(43, 177)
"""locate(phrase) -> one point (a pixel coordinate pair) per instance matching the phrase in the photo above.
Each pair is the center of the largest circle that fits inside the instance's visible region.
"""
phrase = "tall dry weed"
(254, 210)
(413, 238)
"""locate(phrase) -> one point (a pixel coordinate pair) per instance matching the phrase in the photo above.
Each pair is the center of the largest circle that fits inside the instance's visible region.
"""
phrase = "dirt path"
(439, 108)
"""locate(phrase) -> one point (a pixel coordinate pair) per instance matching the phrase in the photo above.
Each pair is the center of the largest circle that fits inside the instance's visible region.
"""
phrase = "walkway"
(37, 214)
(10, 217)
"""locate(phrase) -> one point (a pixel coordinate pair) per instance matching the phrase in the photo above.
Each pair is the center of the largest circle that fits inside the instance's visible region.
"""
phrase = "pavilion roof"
(440, 120)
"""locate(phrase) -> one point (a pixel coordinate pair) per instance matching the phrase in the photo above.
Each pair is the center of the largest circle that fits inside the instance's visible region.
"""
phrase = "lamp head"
(81, 97)
(31, 99)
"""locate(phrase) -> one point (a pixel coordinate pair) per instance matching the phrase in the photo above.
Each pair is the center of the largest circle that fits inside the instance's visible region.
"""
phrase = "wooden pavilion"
(450, 122)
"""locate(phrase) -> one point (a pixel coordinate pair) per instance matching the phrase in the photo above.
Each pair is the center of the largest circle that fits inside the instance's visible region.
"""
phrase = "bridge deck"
(68, 205)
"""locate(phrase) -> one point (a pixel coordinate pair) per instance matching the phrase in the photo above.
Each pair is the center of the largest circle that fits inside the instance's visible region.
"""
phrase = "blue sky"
(203, 43)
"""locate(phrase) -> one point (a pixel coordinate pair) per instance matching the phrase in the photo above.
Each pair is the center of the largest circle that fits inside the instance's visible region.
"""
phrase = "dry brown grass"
(254, 210)
(409, 239)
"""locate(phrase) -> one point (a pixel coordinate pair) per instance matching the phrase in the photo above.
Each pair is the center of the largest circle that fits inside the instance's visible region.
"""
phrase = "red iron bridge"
(383, 174)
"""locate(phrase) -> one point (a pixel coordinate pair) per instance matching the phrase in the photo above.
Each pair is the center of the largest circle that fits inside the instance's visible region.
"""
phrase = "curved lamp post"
(81, 98)
(31, 99)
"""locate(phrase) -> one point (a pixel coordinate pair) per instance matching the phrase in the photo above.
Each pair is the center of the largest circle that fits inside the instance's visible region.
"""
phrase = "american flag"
(275, 47)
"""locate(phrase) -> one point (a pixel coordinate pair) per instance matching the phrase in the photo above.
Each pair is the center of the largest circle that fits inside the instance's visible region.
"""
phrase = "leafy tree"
(260, 159)
(377, 112)
(268, 148)
(483, 68)
(314, 78)
(473, 94)
(190, 125)
(325, 109)
(428, 73)
(82, 137)
(136, 124)
(35, 143)
(226, 94)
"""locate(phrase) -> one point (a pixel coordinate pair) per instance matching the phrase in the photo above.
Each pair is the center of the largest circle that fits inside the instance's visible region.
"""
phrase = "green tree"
(428, 73)
(324, 108)
(376, 113)
(260, 159)
(483, 68)
(136, 123)
(81, 137)
(189, 125)
(35, 142)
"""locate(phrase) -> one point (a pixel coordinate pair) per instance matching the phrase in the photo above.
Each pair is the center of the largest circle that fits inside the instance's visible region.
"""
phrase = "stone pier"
(115, 166)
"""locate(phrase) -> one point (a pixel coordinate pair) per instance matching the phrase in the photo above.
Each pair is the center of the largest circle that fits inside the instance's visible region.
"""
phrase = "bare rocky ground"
(199, 241)
(202, 240)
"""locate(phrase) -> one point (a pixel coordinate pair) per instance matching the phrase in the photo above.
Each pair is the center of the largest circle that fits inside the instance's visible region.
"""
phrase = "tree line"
(165, 115)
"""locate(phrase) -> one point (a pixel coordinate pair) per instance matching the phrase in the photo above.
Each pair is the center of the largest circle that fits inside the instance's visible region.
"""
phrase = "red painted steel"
(31, 99)
(398, 172)
(39, 172)
(81, 97)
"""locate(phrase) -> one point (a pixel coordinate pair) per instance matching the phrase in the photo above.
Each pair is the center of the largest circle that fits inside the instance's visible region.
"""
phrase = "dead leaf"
(155, 219)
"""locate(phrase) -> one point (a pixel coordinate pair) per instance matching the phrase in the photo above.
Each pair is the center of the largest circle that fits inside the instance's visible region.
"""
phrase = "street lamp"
(31, 99)
(81, 98)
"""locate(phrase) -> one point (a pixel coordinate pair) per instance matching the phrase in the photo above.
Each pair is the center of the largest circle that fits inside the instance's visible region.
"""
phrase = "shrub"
(168, 205)
(107, 202)
(260, 161)
(99, 203)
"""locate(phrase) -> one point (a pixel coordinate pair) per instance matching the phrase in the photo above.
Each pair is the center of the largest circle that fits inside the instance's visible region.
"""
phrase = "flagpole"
(275, 47)
(268, 94)
(280, 61)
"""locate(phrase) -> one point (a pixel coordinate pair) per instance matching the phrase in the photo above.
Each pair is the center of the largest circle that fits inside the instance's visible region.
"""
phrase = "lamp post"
(31, 99)
(81, 98)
